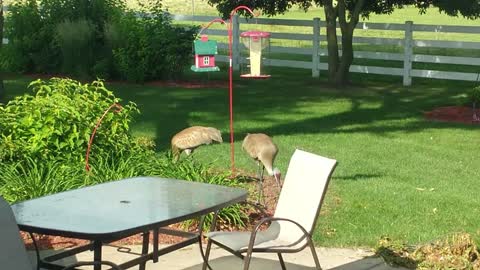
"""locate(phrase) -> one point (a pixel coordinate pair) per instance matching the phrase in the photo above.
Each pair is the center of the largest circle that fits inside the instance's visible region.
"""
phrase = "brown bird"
(190, 138)
(261, 148)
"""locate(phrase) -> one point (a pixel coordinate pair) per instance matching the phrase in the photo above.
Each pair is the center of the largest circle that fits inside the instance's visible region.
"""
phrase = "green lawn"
(398, 175)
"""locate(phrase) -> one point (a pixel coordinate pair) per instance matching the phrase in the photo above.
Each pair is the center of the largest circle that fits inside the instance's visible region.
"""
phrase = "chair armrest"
(72, 266)
(270, 219)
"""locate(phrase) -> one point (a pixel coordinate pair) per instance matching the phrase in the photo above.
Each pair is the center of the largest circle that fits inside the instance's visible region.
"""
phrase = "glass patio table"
(114, 210)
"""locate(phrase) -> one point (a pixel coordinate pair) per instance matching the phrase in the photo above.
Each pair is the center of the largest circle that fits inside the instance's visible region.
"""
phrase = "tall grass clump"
(74, 39)
(191, 170)
(146, 45)
(29, 178)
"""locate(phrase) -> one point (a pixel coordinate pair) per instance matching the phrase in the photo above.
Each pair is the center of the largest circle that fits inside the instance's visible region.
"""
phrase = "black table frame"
(97, 241)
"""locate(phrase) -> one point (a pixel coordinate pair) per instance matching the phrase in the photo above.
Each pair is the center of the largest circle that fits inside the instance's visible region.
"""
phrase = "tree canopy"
(467, 8)
(346, 13)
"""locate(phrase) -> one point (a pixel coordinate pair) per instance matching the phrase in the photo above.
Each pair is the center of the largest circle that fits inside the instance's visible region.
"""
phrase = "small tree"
(474, 97)
(347, 14)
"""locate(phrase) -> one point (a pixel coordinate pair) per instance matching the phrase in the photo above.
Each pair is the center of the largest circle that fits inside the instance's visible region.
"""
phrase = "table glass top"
(122, 205)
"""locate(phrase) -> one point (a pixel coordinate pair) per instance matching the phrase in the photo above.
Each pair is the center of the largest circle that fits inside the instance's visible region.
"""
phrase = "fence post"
(235, 42)
(316, 48)
(408, 53)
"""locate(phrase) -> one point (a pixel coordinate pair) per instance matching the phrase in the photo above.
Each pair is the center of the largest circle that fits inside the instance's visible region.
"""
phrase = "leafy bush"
(147, 46)
(96, 39)
(474, 95)
(57, 121)
(30, 41)
(32, 27)
(75, 39)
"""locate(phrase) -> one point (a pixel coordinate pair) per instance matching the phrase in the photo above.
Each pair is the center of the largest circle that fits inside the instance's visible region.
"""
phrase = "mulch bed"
(457, 114)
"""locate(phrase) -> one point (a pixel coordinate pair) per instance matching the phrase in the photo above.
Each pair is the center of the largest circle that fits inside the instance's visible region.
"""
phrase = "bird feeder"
(204, 54)
(254, 54)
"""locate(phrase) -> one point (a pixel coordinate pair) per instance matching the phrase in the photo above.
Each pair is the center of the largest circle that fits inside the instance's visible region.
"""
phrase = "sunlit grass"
(398, 174)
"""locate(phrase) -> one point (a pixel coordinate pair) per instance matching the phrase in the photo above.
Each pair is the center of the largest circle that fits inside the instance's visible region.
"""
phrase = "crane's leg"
(260, 197)
(278, 181)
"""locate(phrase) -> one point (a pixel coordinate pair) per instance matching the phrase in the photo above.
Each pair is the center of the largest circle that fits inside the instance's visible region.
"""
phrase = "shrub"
(474, 95)
(30, 41)
(27, 179)
(147, 46)
(75, 39)
(33, 25)
(57, 121)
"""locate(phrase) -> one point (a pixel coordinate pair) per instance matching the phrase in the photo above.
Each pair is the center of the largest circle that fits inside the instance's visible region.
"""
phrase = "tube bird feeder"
(254, 54)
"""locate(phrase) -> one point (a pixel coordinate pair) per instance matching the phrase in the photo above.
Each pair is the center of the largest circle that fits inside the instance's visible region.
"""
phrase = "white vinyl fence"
(405, 59)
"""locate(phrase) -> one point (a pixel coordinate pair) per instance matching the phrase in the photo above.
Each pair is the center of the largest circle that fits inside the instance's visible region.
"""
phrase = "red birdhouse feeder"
(205, 51)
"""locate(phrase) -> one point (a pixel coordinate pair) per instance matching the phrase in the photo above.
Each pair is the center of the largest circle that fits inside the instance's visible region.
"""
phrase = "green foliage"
(30, 39)
(474, 95)
(38, 37)
(96, 39)
(27, 179)
(147, 46)
(457, 251)
(57, 121)
(466, 8)
(188, 169)
(75, 39)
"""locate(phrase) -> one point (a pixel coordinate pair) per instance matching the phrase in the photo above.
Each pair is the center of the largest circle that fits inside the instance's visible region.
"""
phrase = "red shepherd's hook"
(118, 108)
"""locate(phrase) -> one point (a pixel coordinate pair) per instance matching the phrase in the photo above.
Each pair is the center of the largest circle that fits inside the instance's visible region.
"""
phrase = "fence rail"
(407, 45)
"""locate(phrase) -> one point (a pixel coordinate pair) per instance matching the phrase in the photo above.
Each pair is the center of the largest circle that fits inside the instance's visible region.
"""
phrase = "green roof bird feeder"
(205, 51)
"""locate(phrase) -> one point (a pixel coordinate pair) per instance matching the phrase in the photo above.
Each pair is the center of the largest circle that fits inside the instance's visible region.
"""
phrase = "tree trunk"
(2, 88)
(332, 42)
(342, 77)
(338, 67)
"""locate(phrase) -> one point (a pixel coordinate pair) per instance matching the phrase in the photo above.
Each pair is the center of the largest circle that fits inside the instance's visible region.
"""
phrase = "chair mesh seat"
(268, 239)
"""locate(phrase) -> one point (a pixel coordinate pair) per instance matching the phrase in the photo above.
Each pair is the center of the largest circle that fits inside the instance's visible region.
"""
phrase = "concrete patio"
(189, 259)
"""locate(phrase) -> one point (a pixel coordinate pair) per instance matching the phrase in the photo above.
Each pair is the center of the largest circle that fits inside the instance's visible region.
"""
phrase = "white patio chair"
(13, 254)
(295, 216)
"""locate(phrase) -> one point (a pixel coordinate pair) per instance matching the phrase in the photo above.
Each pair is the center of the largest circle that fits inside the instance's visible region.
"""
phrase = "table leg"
(146, 239)
(155, 245)
(97, 254)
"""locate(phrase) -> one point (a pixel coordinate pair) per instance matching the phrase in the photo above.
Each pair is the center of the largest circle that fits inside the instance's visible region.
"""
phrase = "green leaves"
(57, 120)
(474, 95)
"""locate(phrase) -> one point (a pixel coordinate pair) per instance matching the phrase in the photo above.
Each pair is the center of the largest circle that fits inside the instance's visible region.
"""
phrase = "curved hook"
(118, 108)
(210, 23)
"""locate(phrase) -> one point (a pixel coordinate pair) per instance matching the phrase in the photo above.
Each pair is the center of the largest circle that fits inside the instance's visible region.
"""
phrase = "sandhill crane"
(261, 148)
(190, 138)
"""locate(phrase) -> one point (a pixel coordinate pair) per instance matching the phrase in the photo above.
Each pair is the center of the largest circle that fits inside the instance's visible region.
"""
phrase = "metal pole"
(230, 93)
(230, 77)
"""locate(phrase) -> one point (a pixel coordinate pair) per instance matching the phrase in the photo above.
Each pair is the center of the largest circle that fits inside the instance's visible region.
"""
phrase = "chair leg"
(282, 262)
(207, 254)
(246, 260)
(314, 254)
